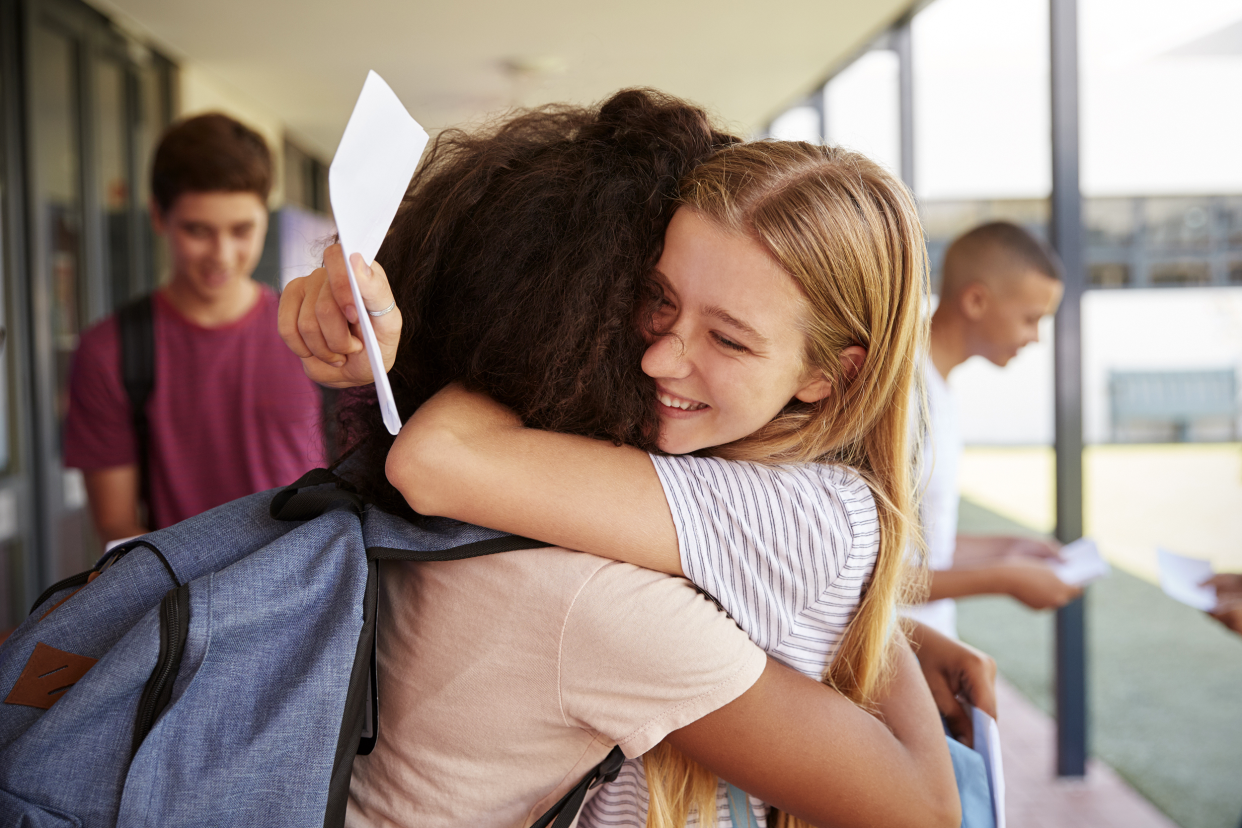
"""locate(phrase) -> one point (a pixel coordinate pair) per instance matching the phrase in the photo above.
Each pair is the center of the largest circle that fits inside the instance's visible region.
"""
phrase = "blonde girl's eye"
(730, 344)
(662, 312)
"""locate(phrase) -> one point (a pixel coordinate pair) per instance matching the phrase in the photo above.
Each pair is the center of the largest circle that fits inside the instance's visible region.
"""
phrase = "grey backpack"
(217, 672)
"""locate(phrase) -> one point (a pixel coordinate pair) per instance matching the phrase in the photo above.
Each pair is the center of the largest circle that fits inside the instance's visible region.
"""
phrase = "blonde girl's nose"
(667, 357)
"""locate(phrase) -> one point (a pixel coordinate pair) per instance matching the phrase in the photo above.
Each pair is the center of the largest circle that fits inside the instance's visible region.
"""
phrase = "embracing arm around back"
(466, 457)
(825, 759)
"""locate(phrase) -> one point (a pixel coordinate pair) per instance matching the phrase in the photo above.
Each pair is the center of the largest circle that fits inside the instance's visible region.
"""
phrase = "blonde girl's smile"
(672, 405)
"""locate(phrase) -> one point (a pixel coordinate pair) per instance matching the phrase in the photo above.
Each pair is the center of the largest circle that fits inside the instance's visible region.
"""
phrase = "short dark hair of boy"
(210, 153)
(1014, 243)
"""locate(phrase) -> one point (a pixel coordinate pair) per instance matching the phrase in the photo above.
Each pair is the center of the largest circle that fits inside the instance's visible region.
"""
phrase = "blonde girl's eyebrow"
(729, 319)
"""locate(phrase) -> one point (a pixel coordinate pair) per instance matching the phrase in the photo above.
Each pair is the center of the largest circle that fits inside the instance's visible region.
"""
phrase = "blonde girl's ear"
(818, 386)
(852, 359)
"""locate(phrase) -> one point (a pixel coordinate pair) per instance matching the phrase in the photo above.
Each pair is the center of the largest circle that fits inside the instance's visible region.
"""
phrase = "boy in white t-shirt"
(999, 282)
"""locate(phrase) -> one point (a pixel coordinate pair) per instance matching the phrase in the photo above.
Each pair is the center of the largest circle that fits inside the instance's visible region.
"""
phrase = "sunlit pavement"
(1036, 798)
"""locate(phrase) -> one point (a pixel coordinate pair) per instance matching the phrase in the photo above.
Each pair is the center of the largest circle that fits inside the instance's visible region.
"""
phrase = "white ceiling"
(454, 61)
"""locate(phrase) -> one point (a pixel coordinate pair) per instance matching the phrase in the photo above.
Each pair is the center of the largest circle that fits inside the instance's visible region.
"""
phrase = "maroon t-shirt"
(231, 412)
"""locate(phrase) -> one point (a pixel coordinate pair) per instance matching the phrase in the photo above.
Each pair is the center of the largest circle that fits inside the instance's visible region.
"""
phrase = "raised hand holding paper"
(1182, 578)
(372, 168)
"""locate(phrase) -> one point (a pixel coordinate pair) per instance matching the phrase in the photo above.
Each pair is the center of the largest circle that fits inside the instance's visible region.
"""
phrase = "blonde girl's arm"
(806, 749)
(466, 457)
(786, 550)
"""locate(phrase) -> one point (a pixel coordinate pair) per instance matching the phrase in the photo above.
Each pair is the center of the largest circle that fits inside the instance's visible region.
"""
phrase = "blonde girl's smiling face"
(729, 351)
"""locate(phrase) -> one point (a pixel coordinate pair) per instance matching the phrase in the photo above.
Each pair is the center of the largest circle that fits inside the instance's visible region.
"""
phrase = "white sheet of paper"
(987, 744)
(1082, 563)
(1180, 578)
(366, 182)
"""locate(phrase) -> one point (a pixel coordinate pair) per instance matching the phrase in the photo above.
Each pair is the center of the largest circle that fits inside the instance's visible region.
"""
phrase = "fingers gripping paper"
(1182, 578)
(368, 177)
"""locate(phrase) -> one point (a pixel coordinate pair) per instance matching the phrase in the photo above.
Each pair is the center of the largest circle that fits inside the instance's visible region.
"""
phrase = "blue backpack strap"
(739, 809)
(973, 789)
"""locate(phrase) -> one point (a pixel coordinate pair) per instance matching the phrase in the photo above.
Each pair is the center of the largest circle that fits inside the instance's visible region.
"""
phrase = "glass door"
(95, 104)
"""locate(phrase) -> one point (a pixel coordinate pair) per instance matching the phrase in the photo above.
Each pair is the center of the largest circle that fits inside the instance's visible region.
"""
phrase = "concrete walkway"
(1035, 798)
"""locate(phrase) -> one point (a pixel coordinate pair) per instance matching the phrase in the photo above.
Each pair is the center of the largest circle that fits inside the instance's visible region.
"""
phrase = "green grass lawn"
(1164, 681)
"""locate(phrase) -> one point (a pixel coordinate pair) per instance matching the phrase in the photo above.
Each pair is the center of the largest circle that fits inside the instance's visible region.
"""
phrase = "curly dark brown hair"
(520, 260)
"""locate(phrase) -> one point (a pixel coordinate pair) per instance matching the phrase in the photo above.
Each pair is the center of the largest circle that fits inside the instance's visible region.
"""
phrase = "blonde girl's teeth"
(684, 405)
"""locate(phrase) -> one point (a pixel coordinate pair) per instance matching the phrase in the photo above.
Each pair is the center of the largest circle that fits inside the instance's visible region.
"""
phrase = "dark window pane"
(1110, 221)
(1110, 274)
(55, 121)
(113, 179)
(1181, 273)
(1231, 215)
(1178, 223)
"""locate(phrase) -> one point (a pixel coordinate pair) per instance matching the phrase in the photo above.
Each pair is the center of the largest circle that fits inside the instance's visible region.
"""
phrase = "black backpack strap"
(490, 546)
(308, 497)
(567, 808)
(137, 336)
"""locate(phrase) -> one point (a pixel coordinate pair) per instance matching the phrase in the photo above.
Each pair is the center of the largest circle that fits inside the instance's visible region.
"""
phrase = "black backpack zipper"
(174, 630)
(72, 581)
(106, 561)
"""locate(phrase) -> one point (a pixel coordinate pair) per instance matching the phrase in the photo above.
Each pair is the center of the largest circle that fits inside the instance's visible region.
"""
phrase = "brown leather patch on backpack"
(48, 674)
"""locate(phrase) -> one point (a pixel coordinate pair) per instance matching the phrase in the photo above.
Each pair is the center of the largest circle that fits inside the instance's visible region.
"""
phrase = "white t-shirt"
(786, 550)
(942, 452)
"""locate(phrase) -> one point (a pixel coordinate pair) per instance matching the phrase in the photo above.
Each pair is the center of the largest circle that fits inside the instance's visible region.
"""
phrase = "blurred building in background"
(82, 104)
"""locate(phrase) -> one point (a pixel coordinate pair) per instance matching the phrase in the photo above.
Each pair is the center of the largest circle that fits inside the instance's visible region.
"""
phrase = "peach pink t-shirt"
(504, 679)
(231, 412)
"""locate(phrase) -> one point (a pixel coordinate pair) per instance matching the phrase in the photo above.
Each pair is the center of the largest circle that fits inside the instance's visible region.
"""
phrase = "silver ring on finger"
(388, 309)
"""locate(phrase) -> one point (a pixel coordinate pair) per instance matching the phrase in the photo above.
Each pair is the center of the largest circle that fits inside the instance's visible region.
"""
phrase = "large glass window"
(58, 191)
(94, 106)
(862, 108)
(112, 177)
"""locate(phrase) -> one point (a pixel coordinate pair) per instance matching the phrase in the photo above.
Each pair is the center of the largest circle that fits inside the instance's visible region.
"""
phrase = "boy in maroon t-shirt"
(231, 411)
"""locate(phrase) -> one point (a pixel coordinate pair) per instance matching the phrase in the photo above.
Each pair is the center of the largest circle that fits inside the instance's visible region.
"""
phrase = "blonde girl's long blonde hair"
(848, 233)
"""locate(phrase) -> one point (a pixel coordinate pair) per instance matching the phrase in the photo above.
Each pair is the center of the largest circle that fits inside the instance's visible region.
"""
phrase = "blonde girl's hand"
(319, 323)
(955, 672)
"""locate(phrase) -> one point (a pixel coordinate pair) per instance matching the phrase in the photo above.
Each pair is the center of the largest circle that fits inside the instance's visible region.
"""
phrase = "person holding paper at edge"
(1228, 610)
(998, 282)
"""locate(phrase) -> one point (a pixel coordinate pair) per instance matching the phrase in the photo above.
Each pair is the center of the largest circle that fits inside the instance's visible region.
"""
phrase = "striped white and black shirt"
(786, 550)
